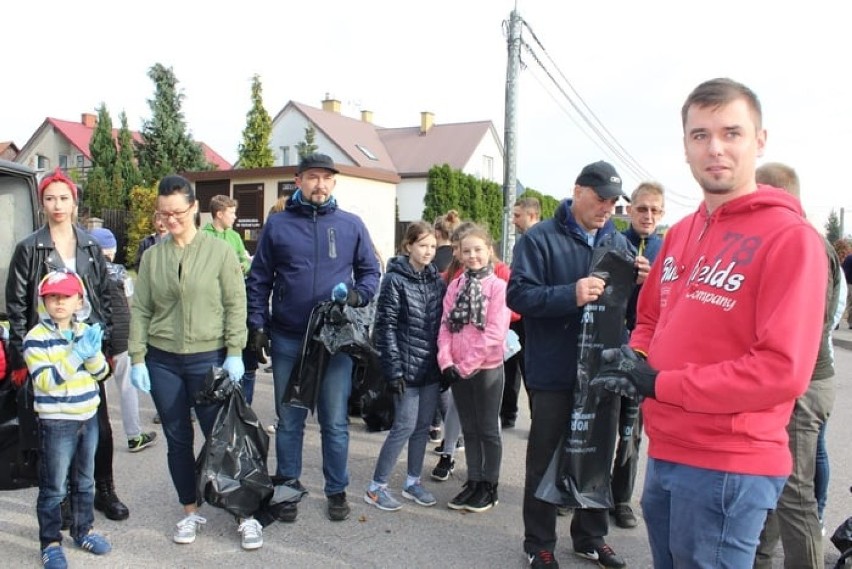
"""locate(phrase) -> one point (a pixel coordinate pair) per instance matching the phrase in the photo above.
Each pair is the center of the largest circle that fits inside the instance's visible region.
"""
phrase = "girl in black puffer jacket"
(408, 315)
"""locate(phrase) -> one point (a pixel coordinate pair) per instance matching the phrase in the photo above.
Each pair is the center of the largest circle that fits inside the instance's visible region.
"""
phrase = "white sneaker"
(251, 533)
(187, 528)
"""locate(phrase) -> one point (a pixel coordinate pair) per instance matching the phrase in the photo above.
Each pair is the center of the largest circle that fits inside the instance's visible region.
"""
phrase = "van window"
(17, 220)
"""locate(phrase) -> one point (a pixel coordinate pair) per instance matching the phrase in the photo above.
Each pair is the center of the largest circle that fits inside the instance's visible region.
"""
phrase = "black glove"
(259, 342)
(353, 298)
(396, 386)
(449, 376)
(626, 373)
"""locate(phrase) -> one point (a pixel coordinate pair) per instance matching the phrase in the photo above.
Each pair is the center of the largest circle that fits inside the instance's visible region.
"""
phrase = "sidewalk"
(843, 336)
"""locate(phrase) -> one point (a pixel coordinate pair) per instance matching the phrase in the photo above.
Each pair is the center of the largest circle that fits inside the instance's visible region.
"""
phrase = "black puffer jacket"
(408, 315)
(33, 258)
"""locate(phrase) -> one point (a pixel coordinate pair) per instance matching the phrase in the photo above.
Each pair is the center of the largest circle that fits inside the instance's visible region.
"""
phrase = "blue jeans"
(66, 445)
(332, 414)
(175, 379)
(699, 518)
(413, 413)
(823, 471)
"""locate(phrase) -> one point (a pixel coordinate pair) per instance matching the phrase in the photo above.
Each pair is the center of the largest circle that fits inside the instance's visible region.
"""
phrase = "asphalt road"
(413, 537)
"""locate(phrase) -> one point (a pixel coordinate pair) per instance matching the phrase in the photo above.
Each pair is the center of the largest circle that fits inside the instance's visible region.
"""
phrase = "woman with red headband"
(60, 244)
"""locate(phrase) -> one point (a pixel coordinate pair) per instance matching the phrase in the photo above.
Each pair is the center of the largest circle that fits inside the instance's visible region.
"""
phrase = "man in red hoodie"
(730, 320)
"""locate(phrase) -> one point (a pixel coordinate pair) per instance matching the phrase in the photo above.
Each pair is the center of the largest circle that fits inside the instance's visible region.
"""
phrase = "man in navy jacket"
(309, 253)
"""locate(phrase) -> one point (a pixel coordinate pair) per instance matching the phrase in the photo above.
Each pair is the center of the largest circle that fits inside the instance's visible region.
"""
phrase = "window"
(285, 156)
(80, 161)
(42, 163)
(366, 152)
(488, 167)
(63, 161)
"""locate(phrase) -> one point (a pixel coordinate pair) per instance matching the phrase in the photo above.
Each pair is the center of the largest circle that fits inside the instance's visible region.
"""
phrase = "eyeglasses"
(655, 211)
(176, 215)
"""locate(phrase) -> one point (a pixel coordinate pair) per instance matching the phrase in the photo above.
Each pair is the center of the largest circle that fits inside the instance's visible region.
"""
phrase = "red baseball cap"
(65, 283)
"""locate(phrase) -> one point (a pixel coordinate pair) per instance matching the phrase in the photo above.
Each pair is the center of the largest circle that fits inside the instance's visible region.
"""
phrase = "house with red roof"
(383, 171)
(66, 144)
(409, 152)
(8, 150)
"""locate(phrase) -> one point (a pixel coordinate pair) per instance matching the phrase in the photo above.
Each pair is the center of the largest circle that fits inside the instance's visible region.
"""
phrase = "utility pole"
(510, 157)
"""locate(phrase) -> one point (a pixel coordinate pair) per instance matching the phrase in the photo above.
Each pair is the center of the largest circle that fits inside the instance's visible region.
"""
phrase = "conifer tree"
(167, 146)
(255, 152)
(307, 146)
(126, 163)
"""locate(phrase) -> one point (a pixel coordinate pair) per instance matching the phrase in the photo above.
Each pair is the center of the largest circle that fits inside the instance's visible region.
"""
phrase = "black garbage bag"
(376, 403)
(332, 328)
(231, 468)
(579, 473)
(18, 437)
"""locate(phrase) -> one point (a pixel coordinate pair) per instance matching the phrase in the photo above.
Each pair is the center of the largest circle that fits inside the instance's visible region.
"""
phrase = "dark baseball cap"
(601, 177)
(316, 160)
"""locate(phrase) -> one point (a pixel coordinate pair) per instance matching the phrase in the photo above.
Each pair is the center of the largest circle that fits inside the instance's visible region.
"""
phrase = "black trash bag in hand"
(332, 328)
(579, 473)
(217, 387)
(231, 467)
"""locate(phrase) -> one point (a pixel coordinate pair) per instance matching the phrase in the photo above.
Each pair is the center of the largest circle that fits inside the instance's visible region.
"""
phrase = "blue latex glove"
(89, 344)
(339, 293)
(139, 377)
(235, 368)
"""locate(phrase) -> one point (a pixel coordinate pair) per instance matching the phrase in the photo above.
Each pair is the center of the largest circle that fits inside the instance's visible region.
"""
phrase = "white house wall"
(374, 202)
(487, 147)
(289, 131)
(410, 195)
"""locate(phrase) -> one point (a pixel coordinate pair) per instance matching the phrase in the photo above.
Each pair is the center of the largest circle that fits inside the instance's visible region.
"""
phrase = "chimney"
(89, 120)
(331, 105)
(427, 119)
(367, 116)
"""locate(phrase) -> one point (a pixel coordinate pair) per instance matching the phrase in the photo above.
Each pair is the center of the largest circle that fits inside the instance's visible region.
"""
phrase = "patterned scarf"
(469, 307)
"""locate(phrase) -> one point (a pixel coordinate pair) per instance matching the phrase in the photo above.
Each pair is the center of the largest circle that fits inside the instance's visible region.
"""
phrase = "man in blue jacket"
(311, 252)
(646, 209)
(549, 286)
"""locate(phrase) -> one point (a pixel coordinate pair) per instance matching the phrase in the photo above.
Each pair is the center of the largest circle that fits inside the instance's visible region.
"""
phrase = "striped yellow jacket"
(65, 386)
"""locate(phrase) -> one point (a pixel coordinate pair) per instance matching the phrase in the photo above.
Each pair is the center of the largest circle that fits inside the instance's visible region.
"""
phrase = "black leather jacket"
(33, 258)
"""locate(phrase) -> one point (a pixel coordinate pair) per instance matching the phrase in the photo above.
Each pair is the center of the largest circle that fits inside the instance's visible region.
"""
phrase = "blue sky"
(632, 62)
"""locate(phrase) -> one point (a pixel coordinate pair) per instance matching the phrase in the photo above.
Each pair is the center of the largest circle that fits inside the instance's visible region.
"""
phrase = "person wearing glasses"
(188, 315)
(61, 244)
(646, 209)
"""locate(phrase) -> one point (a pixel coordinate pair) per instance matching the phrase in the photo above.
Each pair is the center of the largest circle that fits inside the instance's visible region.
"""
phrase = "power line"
(583, 110)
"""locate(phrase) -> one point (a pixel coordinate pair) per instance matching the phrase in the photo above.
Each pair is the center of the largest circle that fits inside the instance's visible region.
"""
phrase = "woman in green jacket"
(188, 315)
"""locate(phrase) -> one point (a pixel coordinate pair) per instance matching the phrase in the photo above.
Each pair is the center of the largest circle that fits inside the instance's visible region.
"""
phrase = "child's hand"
(89, 343)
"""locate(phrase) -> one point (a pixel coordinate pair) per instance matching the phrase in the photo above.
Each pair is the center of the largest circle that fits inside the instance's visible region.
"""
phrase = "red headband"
(57, 176)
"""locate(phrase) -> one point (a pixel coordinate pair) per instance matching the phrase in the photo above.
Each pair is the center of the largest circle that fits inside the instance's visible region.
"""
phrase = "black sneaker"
(543, 559)
(434, 434)
(603, 554)
(469, 489)
(483, 499)
(444, 469)
(624, 516)
(141, 442)
(338, 507)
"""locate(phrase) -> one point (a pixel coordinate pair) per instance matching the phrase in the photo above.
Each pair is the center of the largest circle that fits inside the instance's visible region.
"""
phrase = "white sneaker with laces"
(251, 533)
(188, 527)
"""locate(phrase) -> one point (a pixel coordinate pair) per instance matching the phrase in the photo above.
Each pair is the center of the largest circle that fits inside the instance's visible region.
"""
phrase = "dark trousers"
(103, 453)
(513, 372)
(551, 411)
(624, 469)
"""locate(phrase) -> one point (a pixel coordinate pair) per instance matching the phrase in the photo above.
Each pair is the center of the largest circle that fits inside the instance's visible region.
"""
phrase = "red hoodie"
(731, 316)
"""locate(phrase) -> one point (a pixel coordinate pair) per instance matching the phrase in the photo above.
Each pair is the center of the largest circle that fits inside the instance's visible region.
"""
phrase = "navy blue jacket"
(408, 315)
(650, 249)
(303, 252)
(548, 261)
